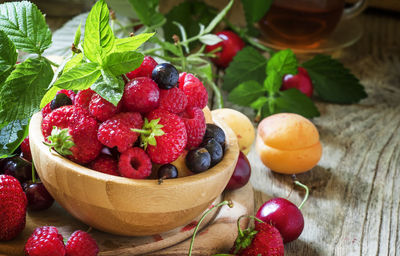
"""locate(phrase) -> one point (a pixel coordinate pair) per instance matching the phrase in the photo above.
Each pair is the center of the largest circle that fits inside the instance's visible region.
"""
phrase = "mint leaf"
(23, 90)
(12, 135)
(75, 61)
(294, 101)
(210, 39)
(99, 38)
(49, 96)
(246, 93)
(248, 64)
(8, 56)
(218, 18)
(109, 87)
(273, 82)
(283, 62)
(254, 10)
(25, 26)
(79, 77)
(131, 43)
(259, 103)
(77, 38)
(123, 62)
(147, 11)
(333, 82)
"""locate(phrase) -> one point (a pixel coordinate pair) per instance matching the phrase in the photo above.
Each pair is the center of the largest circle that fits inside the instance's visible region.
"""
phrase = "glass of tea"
(305, 23)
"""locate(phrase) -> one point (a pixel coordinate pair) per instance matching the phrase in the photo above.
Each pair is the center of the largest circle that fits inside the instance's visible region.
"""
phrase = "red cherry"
(284, 215)
(241, 174)
(38, 196)
(231, 44)
(301, 81)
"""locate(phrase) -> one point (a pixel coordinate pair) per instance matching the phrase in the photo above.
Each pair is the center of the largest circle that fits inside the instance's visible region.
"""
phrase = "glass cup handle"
(355, 10)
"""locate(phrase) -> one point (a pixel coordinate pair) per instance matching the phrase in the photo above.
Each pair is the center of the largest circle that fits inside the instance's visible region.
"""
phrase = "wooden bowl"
(126, 206)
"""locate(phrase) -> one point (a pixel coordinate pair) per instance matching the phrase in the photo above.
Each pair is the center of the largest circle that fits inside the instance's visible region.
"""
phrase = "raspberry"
(141, 95)
(12, 208)
(83, 98)
(194, 90)
(105, 164)
(45, 241)
(26, 150)
(46, 110)
(173, 100)
(170, 145)
(102, 109)
(135, 163)
(145, 68)
(116, 131)
(81, 243)
(59, 118)
(195, 124)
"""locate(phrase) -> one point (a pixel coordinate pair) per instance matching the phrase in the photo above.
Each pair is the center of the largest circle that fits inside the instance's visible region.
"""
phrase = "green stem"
(229, 203)
(218, 95)
(141, 131)
(33, 172)
(307, 192)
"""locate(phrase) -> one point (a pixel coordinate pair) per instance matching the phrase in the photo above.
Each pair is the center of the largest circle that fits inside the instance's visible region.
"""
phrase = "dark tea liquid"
(299, 25)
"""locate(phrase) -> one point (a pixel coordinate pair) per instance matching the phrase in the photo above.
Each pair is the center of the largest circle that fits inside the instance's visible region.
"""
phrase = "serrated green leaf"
(218, 18)
(248, 64)
(254, 10)
(79, 77)
(75, 61)
(77, 38)
(294, 101)
(49, 96)
(147, 11)
(99, 39)
(273, 82)
(8, 55)
(210, 39)
(109, 87)
(23, 90)
(259, 103)
(283, 62)
(246, 93)
(25, 26)
(12, 135)
(123, 62)
(131, 43)
(333, 82)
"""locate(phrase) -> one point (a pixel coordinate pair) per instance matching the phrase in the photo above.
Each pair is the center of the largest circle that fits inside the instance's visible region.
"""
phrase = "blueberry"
(215, 150)
(165, 75)
(198, 160)
(167, 171)
(60, 100)
(214, 132)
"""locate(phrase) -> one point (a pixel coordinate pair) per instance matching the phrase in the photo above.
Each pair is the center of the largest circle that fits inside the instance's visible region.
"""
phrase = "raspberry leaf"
(109, 87)
(122, 62)
(11, 136)
(131, 43)
(25, 26)
(283, 62)
(23, 90)
(248, 64)
(246, 93)
(333, 82)
(295, 102)
(8, 56)
(79, 77)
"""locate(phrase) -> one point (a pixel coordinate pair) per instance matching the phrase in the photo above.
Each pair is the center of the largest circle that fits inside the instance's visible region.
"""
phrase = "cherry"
(301, 81)
(18, 168)
(167, 171)
(241, 174)
(26, 150)
(38, 196)
(230, 45)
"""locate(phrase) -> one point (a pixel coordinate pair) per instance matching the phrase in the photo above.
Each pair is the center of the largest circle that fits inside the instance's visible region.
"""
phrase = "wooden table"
(354, 205)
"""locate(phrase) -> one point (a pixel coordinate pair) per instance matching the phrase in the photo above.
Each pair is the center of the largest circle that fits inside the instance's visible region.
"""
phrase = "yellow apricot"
(207, 115)
(240, 125)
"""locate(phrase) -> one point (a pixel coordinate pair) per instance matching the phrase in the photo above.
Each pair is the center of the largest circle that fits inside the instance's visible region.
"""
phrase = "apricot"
(288, 143)
(240, 125)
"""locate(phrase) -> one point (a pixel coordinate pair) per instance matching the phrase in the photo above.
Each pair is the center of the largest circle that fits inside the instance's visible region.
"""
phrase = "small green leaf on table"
(246, 93)
(283, 62)
(294, 101)
(273, 82)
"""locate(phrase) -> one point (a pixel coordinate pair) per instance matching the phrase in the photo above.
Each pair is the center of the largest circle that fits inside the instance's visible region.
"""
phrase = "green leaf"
(25, 26)
(210, 39)
(123, 62)
(23, 90)
(8, 56)
(273, 82)
(248, 64)
(147, 11)
(79, 77)
(294, 101)
(218, 18)
(131, 43)
(109, 87)
(246, 93)
(333, 82)
(283, 62)
(12, 135)
(99, 39)
(49, 96)
(259, 103)
(172, 48)
(206, 69)
(77, 38)
(75, 61)
(254, 10)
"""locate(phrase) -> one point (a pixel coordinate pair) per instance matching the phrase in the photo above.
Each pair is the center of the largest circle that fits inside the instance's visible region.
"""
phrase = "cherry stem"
(246, 216)
(33, 172)
(229, 203)
(298, 183)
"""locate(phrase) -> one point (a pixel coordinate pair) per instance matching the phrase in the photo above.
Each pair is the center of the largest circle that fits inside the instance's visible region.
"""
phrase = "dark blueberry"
(38, 196)
(18, 168)
(165, 75)
(215, 150)
(198, 160)
(214, 132)
(167, 171)
(60, 100)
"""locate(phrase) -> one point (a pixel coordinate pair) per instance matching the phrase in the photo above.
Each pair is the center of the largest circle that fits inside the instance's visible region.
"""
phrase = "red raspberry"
(194, 90)
(26, 149)
(46, 110)
(195, 124)
(45, 241)
(83, 98)
(173, 100)
(116, 131)
(170, 145)
(105, 164)
(59, 118)
(135, 163)
(145, 68)
(102, 109)
(141, 95)
(12, 207)
(81, 243)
